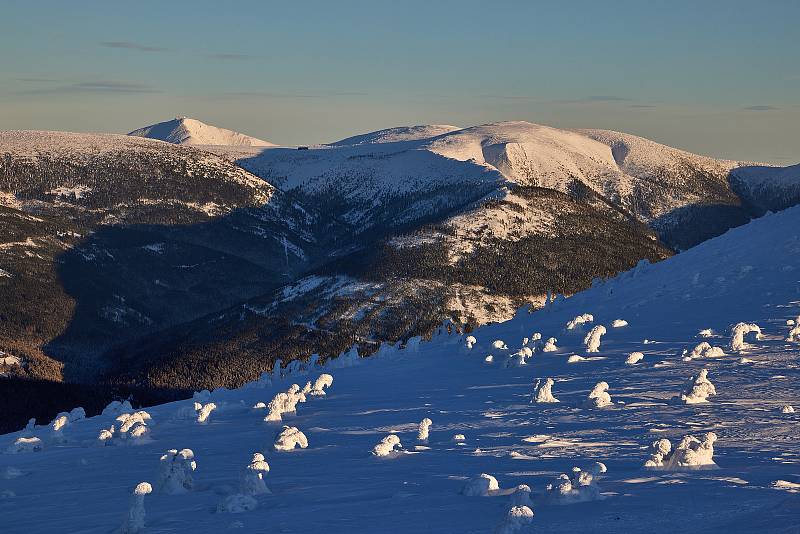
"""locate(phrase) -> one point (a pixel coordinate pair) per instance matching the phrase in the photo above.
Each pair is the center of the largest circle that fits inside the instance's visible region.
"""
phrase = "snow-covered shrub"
(469, 342)
(176, 473)
(518, 359)
(740, 330)
(289, 438)
(205, 411)
(237, 504)
(285, 402)
(60, 422)
(521, 496)
(574, 358)
(536, 336)
(424, 429)
(116, 407)
(690, 453)
(794, 333)
(518, 518)
(698, 389)
(134, 522)
(550, 345)
(787, 409)
(499, 344)
(132, 426)
(578, 486)
(703, 350)
(106, 435)
(322, 382)
(619, 323)
(599, 396)
(543, 391)
(387, 446)
(482, 485)
(592, 339)
(579, 321)
(459, 438)
(634, 358)
(22, 445)
(252, 479)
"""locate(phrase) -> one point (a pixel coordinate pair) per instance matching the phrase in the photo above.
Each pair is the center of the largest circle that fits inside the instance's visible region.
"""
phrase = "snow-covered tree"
(550, 345)
(322, 382)
(470, 342)
(482, 485)
(578, 486)
(387, 446)
(499, 344)
(289, 438)
(794, 333)
(543, 391)
(205, 411)
(740, 330)
(176, 472)
(424, 429)
(252, 479)
(134, 522)
(599, 396)
(690, 453)
(579, 321)
(592, 339)
(698, 389)
(703, 350)
(516, 520)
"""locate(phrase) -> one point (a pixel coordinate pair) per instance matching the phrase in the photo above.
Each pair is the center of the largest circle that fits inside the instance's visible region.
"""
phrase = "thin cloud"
(505, 97)
(229, 57)
(129, 45)
(596, 99)
(96, 87)
(760, 108)
(37, 80)
(268, 94)
(641, 106)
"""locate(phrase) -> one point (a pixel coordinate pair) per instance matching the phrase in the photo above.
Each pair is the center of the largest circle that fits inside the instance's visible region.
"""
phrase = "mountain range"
(148, 263)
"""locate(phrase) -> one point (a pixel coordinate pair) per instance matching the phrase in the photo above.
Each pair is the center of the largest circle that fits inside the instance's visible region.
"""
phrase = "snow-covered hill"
(767, 188)
(186, 131)
(739, 475)
(399, 133)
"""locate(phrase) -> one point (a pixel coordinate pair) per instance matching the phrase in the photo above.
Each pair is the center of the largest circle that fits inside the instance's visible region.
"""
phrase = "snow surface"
(398, 133)
(186, 131)
(336, 485)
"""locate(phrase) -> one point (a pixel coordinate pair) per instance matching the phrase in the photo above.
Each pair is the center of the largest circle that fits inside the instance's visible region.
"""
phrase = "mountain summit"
(186, 131)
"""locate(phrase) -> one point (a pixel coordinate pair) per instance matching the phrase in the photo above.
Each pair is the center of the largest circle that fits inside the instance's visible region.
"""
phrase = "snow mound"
(619, 323)
(787, 409)
(550, 345)
(116, 408)
(578, 486)
(634, 358)
(579, 321)
(690, 453)
(237, 504)
(185, 131)
(322, 382)
(388, 446)
(739, 331)
(517, 519)
(23, 445)
(599, 396)
(703, 350)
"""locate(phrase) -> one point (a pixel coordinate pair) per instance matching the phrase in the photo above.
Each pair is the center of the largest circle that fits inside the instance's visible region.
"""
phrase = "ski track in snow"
(335, 485)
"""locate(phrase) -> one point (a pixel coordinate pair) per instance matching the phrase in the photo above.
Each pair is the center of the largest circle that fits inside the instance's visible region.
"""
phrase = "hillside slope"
(749, 274)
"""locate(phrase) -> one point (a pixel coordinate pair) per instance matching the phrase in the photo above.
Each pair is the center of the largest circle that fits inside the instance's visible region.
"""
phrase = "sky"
(714, 77)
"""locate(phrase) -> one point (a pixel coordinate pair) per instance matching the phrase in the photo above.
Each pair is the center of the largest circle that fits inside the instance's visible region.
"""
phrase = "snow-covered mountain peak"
(186, 131)
(399, 133)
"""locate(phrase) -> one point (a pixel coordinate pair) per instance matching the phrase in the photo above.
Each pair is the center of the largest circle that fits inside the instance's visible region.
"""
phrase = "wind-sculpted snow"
(736, 456)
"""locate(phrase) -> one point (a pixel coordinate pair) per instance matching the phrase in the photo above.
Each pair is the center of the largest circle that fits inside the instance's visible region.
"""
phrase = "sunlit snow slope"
(750, 274)
(186, 131)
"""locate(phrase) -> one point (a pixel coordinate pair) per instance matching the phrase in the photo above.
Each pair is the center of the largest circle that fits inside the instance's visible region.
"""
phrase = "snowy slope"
(186, 131)
(767, 188)
(749, 274)
(399, 133)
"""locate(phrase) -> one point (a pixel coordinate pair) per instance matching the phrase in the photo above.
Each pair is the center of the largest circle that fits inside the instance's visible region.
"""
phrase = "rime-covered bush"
(499, 344)
(516, 520)
(470, 342)
(322, 382)
(116, 408)
(134, 522)
(794, 333)
(550, 345)
(176, 472)
(703, 350)
(459, 438)
(252, 478)
(543, 391)
(579, 321)
(619, 323)
(599, 396)
(698, 389)
(205, 411)
(424, 430)
(592, 339)
(787, 409)
(285, 402)
(634, 358)
(482, 485)
(23, 445)
(740, 330)
(690, 453)
(578, 486)
(388, 446)
(289, 438)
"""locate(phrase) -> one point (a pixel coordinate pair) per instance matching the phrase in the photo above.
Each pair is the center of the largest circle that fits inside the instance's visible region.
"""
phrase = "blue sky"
(715, 77)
